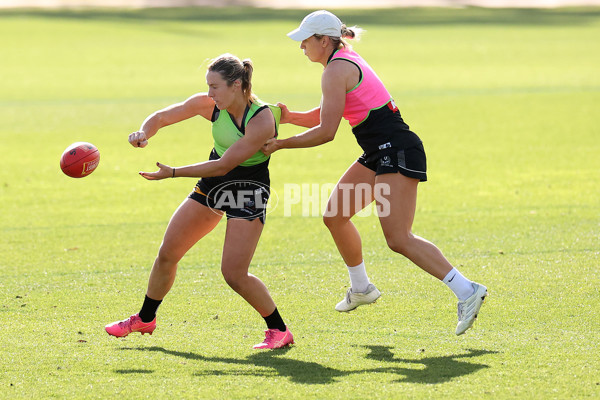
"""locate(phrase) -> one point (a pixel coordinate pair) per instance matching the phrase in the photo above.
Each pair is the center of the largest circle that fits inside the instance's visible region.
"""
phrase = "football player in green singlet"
(234, 181)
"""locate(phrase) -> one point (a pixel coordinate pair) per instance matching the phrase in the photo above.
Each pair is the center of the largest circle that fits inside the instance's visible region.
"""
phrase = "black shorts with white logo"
(410, 162)
(389, 145)
(242, 193)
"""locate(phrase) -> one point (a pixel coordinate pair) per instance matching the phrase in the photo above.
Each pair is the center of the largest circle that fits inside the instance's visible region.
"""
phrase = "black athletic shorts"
(242, 193)
(410, 162)
(389, 145)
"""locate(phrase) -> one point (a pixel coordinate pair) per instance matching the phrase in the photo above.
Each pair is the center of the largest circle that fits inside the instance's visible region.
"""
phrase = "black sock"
(148, 311)
(274, 321)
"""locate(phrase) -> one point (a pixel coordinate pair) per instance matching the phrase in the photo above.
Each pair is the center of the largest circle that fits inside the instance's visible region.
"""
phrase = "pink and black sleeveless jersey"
(369, 94)
(376, 121)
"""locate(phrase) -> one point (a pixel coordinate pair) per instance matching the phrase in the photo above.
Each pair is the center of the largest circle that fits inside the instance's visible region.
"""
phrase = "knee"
(234, 280)
(333, 221)
(329, 221)
(166, 257)
(400, 243)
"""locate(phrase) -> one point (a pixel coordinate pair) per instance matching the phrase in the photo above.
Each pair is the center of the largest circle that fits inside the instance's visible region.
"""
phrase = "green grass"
(505, 102)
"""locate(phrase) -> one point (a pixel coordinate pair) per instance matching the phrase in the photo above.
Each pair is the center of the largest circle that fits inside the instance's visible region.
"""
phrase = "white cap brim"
(299, 35)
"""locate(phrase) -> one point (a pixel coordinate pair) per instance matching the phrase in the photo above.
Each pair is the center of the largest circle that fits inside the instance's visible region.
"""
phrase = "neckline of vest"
(242, 128)
(332, 54)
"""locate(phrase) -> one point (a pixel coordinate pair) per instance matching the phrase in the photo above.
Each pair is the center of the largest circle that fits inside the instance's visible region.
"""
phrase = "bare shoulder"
(339, 67)
(341, 72)
(201, 104)
(336, 78)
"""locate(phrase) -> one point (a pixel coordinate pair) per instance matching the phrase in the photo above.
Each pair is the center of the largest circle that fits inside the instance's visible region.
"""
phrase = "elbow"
(159, 118)
(327, 136)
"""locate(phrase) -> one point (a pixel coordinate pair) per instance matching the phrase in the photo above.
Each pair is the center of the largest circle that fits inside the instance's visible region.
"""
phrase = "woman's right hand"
(138, 139)
(270, 147)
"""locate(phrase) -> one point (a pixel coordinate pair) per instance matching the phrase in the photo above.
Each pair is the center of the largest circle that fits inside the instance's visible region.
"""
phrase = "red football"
(79, 159)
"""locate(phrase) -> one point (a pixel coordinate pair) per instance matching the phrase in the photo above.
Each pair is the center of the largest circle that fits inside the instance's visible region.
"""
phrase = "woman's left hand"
(285, 113)
(164, 171)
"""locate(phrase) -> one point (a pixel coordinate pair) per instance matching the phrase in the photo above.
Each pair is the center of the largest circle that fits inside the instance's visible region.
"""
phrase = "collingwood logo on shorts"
(250, 197)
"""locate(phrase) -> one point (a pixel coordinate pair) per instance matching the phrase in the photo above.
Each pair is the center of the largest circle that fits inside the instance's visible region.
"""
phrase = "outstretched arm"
(333, 84)
(259, 130)
(307, 119)
(198, 104)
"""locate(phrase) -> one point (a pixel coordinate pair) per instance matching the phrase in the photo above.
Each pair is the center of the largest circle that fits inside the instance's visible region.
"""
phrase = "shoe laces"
(348, 294)
(127, 322)
(269, 335)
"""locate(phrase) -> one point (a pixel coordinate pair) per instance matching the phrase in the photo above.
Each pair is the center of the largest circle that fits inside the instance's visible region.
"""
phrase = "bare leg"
(397, 230)
(190, 223)
(401, 204)
(241, 239)
(352, 193)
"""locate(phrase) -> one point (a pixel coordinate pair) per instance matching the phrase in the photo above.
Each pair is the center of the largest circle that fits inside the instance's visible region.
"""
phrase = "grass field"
(506, 102)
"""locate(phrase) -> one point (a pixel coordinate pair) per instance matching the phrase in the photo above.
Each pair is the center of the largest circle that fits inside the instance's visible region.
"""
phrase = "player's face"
(313, 48)
(222, 94)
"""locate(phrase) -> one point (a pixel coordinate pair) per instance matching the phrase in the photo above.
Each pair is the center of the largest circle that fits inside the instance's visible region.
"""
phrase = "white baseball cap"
(319, 22)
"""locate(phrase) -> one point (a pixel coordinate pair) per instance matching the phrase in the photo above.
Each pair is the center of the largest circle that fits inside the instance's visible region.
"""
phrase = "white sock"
(461, 286)
(358, 278)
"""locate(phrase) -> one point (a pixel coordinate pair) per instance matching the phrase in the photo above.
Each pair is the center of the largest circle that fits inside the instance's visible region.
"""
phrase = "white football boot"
(468, 309)
(354, 300)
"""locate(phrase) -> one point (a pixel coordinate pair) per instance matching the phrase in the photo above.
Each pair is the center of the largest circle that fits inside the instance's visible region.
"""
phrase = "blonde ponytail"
(247, 79)
(354, 32)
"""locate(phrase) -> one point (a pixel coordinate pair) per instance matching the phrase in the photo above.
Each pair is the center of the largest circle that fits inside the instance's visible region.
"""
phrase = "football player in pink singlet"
(392, 165)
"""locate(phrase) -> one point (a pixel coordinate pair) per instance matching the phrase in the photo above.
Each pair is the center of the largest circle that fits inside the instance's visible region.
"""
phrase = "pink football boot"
(275, 339)
(131, 324)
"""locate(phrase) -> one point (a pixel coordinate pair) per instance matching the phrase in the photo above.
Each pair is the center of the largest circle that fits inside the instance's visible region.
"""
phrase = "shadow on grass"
(437, 369)
(297, 371)
(134, 371)
(364, 17)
